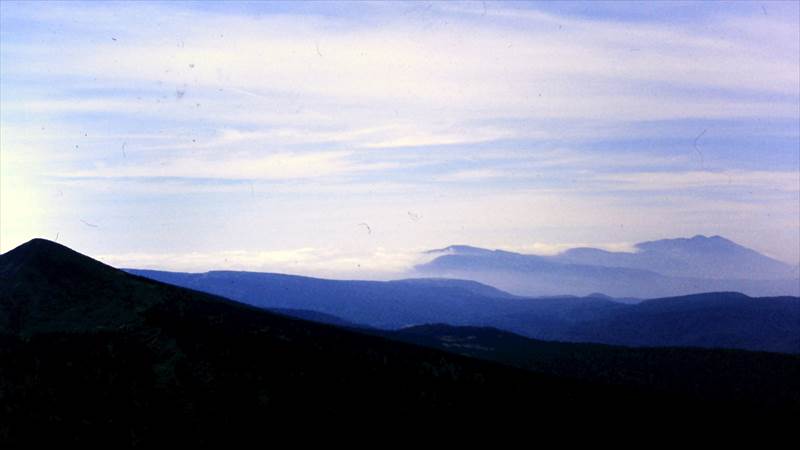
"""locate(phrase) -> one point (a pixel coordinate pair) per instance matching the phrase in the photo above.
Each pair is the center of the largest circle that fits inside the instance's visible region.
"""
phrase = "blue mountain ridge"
(669, 267)
(724, 319)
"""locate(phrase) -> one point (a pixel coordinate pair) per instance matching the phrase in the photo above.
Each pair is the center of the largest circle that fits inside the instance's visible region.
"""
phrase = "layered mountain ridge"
(667, 267)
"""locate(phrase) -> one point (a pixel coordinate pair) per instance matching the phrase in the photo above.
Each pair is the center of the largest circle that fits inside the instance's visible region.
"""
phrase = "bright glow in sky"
(341, 139)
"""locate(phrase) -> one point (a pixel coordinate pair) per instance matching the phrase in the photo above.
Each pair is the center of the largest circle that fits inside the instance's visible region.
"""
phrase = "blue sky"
(264, 136)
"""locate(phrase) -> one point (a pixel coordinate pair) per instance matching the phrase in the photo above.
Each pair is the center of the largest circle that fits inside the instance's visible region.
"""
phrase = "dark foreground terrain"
(89, 353)
(762, 380)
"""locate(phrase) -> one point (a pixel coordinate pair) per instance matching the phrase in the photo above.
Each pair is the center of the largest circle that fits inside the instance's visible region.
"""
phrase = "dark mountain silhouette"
(90, 353)
(663, 268)
(766, 379)
(711, 320)
(727, 320)
(315, 316)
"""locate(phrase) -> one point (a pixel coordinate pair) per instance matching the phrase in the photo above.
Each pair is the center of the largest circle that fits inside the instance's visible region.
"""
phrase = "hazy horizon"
(338, 138)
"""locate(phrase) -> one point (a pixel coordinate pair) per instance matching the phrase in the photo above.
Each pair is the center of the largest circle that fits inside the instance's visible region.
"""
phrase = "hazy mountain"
(658, 269)
(92, 354)
(391, 304)
(710, 320)
(696, 257)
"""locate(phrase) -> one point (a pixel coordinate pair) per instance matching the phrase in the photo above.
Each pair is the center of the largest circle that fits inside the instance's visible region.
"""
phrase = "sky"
(343, 139)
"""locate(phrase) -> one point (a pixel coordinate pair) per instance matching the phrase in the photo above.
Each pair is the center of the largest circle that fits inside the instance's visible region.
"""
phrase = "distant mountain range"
(711, 320)
(91, 354)
(663, 268)
(729, 320)
(698, 257)
(391, 304)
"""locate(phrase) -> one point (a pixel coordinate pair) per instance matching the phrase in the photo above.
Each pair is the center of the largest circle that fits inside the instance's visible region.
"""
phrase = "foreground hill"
(766, 380)
(91, 353)
(664, 268)
(723, 319)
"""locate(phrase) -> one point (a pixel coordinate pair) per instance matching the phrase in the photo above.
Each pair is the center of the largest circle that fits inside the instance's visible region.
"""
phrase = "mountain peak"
(37, 244)
(48, 257)
(714, 238)
(698, 242)
(75, 292)
(40, 247)
(32, 248)
(460, 249)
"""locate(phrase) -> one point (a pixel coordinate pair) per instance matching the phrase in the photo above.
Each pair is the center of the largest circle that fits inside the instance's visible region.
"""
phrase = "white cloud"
(275, 166)
(784, 181)
(546, 249)
(472, 175)
(378, 263)
(466, 69)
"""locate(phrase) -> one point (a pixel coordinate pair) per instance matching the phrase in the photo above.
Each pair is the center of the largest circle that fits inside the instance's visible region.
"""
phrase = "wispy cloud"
(279, 166)
(323, 262)
(558, 124)
(788, 181)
